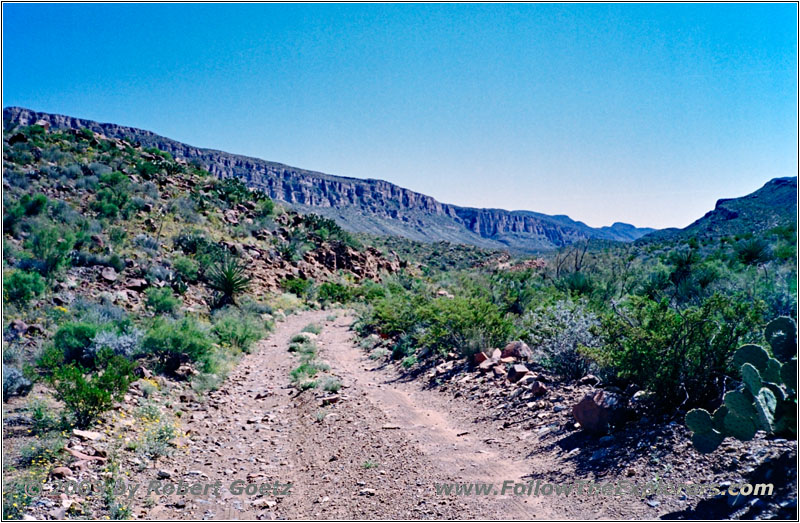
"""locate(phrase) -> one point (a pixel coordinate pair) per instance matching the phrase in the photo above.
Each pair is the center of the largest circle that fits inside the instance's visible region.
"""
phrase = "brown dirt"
(400, 428)
(411, 435)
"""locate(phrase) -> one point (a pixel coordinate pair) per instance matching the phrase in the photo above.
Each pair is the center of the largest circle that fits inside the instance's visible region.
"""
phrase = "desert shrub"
(753, 251)
(300, 287)
(236, 329)
(161, 300)
(117, 235)
(577, 283)
(72, 339)
(51, 245)
(265, 207)
(370, 291)
(185, 208)
(101, 312)
(393, 315)
(157, 274)
(313, 328)
(146, 242)
(408, 361)
(174, 342)
(99, 169)
(557, 333)
(187, 268)
(127, 344)
(87, 395)
(251, 306)
(466, 325)
(89, 259)
(22, 286)
(326, 229)
(229, 278)
(683, 355)
(331, 384)
(44, 451)
(330, 292)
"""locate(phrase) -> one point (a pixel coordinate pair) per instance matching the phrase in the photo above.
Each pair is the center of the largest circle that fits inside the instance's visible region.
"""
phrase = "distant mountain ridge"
(363, 205)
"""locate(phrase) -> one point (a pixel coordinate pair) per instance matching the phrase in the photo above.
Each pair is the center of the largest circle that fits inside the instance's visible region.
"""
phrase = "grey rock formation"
(369, 205)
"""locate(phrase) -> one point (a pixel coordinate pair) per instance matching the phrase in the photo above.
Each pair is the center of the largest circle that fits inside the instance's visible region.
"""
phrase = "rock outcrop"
(370, 205)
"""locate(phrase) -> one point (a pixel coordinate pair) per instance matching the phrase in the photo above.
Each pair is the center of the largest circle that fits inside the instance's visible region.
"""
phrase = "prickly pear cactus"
(766, 399)
(781, 334)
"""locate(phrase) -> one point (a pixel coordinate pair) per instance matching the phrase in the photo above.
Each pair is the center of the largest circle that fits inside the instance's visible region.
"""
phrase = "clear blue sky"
(638, 113)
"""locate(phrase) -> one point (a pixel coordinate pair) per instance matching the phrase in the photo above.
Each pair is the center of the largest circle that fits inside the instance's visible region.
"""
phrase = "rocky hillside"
(371, 206)
(773, 205)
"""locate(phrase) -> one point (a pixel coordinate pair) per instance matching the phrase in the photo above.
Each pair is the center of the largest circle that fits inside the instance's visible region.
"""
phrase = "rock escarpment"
(362, 205)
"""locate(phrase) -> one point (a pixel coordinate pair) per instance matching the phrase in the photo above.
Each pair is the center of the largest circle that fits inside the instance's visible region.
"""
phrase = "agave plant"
(228, 277)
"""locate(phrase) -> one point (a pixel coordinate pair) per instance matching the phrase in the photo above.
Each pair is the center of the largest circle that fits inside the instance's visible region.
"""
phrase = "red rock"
(480, 357)
(538, 388)
(517, 372)
(517, 349)
(596, 411)
(486, 365)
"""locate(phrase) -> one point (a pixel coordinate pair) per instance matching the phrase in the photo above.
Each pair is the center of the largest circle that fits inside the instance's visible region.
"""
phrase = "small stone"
(88, 435)
(61, 472)
(163, 474)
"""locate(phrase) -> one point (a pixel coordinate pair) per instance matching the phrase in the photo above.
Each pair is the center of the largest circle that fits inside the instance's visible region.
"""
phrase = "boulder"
(598, 410)
(589, 379)
(538, 388)
(517, 372)
(643, 396)
(497, 354)
(61, 472)
(109, 274)
(486, 365)
(517, 349)
(480, 357)
(14, 383)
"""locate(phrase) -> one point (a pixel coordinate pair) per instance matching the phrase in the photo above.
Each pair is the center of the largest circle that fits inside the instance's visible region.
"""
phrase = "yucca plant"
(228, 277)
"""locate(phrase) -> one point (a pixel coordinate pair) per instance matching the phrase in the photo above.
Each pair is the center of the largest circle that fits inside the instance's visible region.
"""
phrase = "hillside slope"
(371, 206)
(773, 205)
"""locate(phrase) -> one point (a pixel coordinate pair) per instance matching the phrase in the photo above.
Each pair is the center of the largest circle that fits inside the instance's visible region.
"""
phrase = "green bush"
(22, 286)
(72, 339)
(466, 325)
(236, 329)
(298, 286)
(162, 300)
(173, 342)
(51, 245)
(86, 396)
(330, 292)
(187, 268)
(680, 355)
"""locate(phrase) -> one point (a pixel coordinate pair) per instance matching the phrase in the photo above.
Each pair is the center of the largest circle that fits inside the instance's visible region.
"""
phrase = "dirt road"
(376, 453)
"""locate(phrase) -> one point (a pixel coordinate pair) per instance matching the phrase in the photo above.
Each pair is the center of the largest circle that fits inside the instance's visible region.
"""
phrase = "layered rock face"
(374, 206)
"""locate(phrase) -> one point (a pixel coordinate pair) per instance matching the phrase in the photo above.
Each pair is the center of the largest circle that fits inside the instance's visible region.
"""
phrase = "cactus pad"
(699, 420)
(739, 427)
(751, 378)
(706, 442)
(752, 354)
(789, 374)
(765, 408)
(781, 333)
